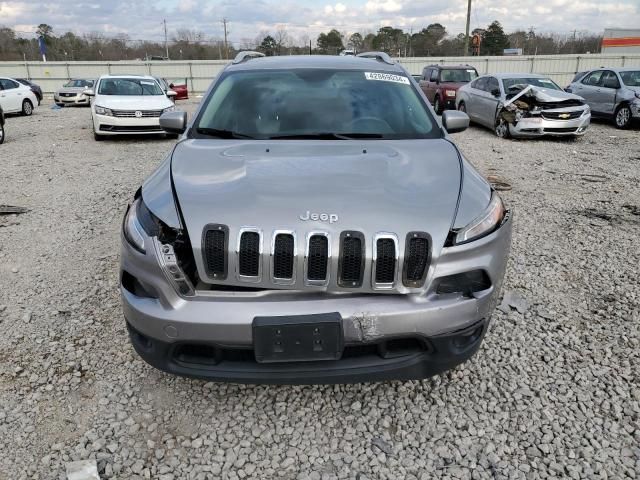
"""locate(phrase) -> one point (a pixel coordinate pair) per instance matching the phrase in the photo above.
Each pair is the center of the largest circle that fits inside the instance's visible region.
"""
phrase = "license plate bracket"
(298, 338)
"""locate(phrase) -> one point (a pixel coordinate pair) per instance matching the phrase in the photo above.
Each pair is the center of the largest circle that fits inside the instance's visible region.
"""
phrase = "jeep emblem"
(322, 217)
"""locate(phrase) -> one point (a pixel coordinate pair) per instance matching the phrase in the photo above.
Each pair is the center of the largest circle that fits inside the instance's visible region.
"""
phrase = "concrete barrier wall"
(199, 73)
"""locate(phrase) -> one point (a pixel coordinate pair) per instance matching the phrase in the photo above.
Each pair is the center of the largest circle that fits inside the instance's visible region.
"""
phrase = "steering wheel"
(368, 121)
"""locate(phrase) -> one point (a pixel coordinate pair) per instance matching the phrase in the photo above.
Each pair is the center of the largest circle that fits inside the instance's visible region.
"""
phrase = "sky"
(142, 19)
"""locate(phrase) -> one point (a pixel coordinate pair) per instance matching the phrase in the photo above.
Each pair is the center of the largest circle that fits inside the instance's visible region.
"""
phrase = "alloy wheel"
(623, 116)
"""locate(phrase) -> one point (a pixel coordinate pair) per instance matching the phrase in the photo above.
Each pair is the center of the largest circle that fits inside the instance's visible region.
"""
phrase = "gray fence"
(199, 74)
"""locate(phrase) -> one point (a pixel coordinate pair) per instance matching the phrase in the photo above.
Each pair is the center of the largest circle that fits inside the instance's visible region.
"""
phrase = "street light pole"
(166, 43)
(466, 36)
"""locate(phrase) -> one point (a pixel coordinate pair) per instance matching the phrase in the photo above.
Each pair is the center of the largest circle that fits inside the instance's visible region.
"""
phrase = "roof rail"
(380, 56)
(246, 55)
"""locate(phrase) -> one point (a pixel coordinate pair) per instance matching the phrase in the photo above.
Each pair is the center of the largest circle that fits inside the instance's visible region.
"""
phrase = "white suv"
(128, 104)
(15, 97)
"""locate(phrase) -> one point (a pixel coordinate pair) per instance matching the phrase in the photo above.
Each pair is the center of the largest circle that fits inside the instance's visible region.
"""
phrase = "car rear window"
(458, 75)
(265, 104)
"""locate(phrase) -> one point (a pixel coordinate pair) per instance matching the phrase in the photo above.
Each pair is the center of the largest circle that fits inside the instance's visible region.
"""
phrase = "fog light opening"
(466, 283)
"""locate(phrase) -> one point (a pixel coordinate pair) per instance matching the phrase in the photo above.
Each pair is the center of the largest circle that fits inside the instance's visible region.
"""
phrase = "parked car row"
(531, 105)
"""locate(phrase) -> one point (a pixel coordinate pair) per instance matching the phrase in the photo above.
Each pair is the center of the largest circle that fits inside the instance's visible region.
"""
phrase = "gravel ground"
(554, 391)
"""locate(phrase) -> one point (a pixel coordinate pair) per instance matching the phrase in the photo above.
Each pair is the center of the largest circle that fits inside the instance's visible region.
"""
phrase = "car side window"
(434, 75)
(479, 84)
(425, 73)
(610, 80)
(7, 84)
(593, 78)
(492, 84)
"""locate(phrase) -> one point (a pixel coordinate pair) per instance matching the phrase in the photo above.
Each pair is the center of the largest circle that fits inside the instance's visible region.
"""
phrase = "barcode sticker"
(386, 77)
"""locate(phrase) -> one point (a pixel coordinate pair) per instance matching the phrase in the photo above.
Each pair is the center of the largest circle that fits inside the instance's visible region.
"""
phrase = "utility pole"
(226, 45)
(166, 43)
(466, 36)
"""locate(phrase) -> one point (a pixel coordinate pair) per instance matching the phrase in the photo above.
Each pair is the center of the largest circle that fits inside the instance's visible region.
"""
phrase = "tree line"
(188, 44)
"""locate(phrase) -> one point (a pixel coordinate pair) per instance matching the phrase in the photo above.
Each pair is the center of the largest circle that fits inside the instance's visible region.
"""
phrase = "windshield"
(315, 103)
(631, 79)
(458, 75)
(129, 86)
(79, 83)
(536, 82)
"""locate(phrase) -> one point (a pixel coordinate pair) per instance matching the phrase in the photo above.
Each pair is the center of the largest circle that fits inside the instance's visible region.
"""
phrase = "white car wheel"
(27, 107)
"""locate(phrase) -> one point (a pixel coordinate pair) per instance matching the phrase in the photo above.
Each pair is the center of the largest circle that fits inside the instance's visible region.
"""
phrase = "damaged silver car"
(523, 105)
(315, 223)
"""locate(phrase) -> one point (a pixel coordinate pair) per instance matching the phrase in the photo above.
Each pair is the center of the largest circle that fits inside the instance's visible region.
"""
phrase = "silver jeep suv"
(314, 224)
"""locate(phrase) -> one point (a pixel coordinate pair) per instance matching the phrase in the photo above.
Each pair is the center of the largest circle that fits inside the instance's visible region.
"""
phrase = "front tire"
(27, 108)
(437, 105)
(1, 134)
(462, 107)
(622, 117)
(502, 128)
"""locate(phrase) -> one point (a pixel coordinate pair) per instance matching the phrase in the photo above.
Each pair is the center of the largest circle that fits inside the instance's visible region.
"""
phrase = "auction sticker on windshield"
(386, 77)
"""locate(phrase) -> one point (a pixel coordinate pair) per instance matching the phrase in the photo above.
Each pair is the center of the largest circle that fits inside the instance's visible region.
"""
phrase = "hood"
(134, 102)
(545, 95)
(372, 187)
(73, 89)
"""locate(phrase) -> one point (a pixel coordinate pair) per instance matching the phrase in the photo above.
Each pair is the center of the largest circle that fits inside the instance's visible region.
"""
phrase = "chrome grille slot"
(283, 251)
(317, 258)
(249, 255)
(385, 261)
(215, 244)
(351, 260)
(416, 261)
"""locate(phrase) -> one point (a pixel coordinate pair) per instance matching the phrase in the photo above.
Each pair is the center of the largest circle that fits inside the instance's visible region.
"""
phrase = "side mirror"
(171, 93)
(453, 121)
(171, 85)
(495, 92)
(174, 122)
(89, 92)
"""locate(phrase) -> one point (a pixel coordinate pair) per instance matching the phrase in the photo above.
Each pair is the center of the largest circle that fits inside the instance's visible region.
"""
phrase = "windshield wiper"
(215, 132)
(326, 136)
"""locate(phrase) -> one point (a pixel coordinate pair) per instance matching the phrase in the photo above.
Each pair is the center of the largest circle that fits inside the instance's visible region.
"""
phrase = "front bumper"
(538, 127)
(109, 125)
(75, 100)
(221, 322)
(448, 103)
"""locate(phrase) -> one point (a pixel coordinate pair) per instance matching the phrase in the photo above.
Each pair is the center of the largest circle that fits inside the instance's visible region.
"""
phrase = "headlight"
(450, 93)
(483, 224)
(102, 110)
(169, 109)
(132, 229)
(138, 222)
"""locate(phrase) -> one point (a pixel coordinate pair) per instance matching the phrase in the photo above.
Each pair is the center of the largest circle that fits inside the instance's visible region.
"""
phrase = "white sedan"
(15, 97)
(128, 104)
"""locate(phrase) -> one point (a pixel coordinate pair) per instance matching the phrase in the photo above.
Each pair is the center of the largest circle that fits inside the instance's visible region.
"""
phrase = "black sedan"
(37, 91)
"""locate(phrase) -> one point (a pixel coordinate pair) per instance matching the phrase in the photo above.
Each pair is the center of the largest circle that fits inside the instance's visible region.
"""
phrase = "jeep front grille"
(385, 259)
(317, 259)
(284, 250)
(351, 263)
(285, 260)
(417, 256)
(249, 253)
(215, 245)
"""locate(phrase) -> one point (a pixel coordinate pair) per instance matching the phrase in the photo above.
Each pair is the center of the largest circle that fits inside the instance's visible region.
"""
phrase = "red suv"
(440, 84)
